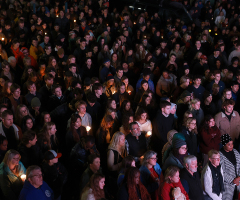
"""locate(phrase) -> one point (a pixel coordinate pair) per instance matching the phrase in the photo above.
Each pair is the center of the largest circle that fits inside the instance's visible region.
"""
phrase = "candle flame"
(88, 128)
(149, 133)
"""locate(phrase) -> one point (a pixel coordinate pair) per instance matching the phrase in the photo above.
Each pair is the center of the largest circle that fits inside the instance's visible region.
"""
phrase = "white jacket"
(207, 183)
(15, 131)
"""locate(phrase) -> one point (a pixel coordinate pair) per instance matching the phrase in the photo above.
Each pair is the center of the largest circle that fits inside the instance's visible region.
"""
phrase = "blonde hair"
(189, 120)
(18, 113)
(114, 143)
(194, 101)
(8, 158)
(213, 152)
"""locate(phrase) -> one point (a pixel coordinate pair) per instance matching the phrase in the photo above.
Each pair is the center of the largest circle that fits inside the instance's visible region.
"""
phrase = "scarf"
(217, 186)
(180, 157)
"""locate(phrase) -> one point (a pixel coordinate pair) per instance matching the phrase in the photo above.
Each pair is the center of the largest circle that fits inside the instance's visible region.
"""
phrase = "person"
(34, 187)
(132, 188)
(171, 181)
(81, 106)
(12, 132)
(55, 174)
(150, 173)
(11, 170)
(3, 147)
(196, 110)
(210, 137)
(95, 188)
(229, 160)
(196, 88)
(136, 143)
(177, 155)
(93, 168)
(212, 176)
(27, 123)
(126, 120)
(141, 117)
(29, 151)
(127, 162)
(190, 178)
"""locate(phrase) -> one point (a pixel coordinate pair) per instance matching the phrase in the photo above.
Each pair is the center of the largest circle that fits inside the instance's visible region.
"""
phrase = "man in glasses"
(34, 186)
(212, 176)
(136, 142)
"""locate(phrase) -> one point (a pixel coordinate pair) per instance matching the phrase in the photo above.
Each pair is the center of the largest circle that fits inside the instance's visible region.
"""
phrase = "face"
(122, 140)
(130, 119)
(172, 58)
(114, 105)
(8, 121)
(32, 89)
(102, 183)
(165, 75)
(29, 124)
(47, 118)
(15, 160)
(23, 111)
(49, 82)
(173, 110)
(198, 44)
(145, 86)
(17, 93)
(153, 160)
(229, 109)
(192, 124)
(193, 166)
(182, 150)
(166, 110)
(137, 178)
(120, 73)
(58, 92)
(78, 123)
(53, 130)
(144, 116)
(136, 130)
(96, 164)
(211, 123)
(148, 100)
(146, 77)
(235, 88)
(175, 178)
(128, 106)
(36, 179)
(4, 145)
(197, 82)
(215, 160)
(228, 95)
(197, 105)
(229, 146)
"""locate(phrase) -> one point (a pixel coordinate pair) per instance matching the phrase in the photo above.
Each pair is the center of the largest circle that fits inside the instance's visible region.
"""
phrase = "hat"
(71, 33)
(164, 99)
(178, 143)
(203, 57)
(35, 102)
(51, 154)
(87, 81)
(106, 60)
(184, 27)
(109, 77)
(185, 93)
(225, 139)
(186, 67)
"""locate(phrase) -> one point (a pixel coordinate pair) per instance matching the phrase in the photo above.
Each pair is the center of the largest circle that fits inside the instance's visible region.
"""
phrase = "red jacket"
(210, 139)
(167, 188)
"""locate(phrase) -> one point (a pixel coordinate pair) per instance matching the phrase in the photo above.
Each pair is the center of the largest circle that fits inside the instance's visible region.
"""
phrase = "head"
(135, 129)
(3, 143)
(133, 177)
(11, 158)
(195, 104)
(97, 183)
(34, 176)
(149, 158)
(15, 90)
(165, 107)
(191, 123)
(190, 163)
(118, 141)
(214, 157)
(228, 105)
(141, 114)
(29, 138)
(172, 175)
(27, 123)
(7, 118)
(227, 142)
(107, 122)
(94, 162)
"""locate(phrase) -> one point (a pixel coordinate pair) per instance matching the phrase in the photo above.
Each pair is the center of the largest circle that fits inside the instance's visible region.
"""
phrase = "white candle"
(88, 128)
(23, 177)
(3, 39)
(74, 20)
(149, 133)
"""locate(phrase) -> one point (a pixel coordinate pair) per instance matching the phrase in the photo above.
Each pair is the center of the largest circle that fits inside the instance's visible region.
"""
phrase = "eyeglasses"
(193, 123)
(154, 158)
(38, 175)
(17, 158)
(217, 159)
(136, 128)
(184, 148)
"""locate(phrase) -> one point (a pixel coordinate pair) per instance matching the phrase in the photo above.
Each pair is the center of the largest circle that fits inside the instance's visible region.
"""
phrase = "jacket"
(17, 130)
(167, 188)
(29, 192)
(165, 87)
(207, 183)
(231, 127)
(208, 141)
(36, 52)
(191, 140)
(14, 103)
(145, 177)
(10, 184)
(172, 160)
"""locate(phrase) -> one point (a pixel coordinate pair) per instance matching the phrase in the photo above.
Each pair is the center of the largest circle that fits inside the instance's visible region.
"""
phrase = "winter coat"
(231, 127)
(230, 172)
(172, 161)
(191, 140)
(165, 87)
(10, 184)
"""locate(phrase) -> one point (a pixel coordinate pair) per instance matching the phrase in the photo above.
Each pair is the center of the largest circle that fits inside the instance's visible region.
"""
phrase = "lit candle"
(141, 157)
(149, 133)
(215, 33)
(210, 30)
(88, 128)
(129, 92)
(114, 92)
(134, 22)
(56, 15)
(3, 39)
(74, 20)
(162, 37)
(45, 33)
(23, 177)
(107, 24)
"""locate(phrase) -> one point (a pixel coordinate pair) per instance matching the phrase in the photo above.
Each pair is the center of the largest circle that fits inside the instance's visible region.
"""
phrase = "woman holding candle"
(121, 94)
(126, 121)
(11, 170)
(144, 123)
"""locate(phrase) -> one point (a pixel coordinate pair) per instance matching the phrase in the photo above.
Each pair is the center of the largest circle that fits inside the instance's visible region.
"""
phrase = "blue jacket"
(29, 192)
(150, 85)
(221, 86)
(145, 177)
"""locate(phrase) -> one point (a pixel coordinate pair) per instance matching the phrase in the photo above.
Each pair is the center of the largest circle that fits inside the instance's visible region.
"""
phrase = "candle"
(114, 92)
(149, 133)
(141, 157)
(3, 39)
(56, 15)
(134, 22)
(74, 20)
(88, 128)
(45, 33)
(210, 30)
(215, 33)
(23, 177)
(129, 92)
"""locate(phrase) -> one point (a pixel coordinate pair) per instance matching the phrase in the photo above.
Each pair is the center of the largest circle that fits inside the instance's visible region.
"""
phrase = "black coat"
(191, 140)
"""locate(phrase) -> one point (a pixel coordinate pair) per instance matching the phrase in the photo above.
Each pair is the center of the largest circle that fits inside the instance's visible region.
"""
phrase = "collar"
(233, 114)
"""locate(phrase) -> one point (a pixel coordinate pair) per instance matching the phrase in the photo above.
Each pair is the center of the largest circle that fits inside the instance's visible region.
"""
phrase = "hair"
(189, 120)
(149, 154)
(185, 117)
(125, 122)
(24, 121)
(42, 117)
(114, 143)
(188, 159)
(109, 112)
(54, 87)
(193, 101)
(92, 157)
(228, 102)
(5, 63)
(139, 112)
(2, 139)
(213, 152)
(224, 93)
(14, 87)
(170, 172)
(106, 119)
(131, 185)
(45, 135)
(48, 77)
(74, 118)
(127, 163)
(79, 103)
(123, 107)
(28, 135)
(109, 102)
(30, 169)
(18, 115)
(94, 185)
(8, 158)
(6, 112)
(184, 79)
(164, 104)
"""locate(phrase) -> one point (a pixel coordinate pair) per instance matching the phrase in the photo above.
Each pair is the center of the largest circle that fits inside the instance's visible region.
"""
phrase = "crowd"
(98, 102)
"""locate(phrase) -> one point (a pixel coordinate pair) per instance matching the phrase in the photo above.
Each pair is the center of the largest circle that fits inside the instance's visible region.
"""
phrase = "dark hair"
(130, 125)
(225, 103)
(2, 138)
(74, 118)
(127, 163)
(6, 112)
(91, 97)
(139, 112)
(92, 157)
(164, 104)
(125, 122)
(14, 87)
(28, 135)
(24, 121)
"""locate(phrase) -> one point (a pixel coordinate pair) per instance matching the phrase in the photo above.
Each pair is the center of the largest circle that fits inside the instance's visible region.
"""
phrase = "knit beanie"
(178, 143)
(225, 139)
(35, 102)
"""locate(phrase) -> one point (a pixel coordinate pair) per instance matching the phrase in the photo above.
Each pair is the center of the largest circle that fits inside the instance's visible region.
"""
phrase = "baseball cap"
(51, 154)
(203, 57)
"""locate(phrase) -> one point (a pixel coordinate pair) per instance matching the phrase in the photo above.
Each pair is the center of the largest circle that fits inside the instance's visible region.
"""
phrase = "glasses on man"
(37, 175)
(154, 158)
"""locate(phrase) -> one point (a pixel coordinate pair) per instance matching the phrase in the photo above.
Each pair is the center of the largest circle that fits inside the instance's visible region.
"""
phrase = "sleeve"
(207, 181)
(185, 185)
(7, 191)
(227, 176)
(158, 88)
(165, 193)
(151, 187)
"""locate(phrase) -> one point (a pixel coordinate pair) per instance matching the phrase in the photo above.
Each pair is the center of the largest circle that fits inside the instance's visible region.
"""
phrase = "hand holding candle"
(149, 133)
(88, 128)
(23, 177)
